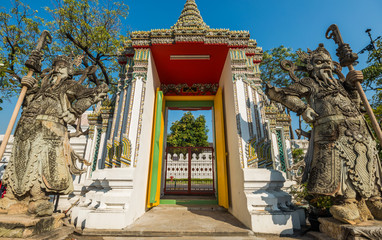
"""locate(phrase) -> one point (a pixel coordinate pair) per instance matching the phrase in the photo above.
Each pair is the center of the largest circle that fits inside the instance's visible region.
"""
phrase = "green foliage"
(19, 30)
(320, 201)
(373, 81)
(297, 154)
(188, 132)
(271, 71)
(300, 194)
(91, 28)
(80, 27)
(373, 72)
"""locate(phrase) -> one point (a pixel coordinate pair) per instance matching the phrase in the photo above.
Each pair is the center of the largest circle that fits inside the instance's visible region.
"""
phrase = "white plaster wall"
(138, 197)
(238, 200)
(242, 104)
(135, 115)
(260, 107)
(288, 149)
(253, 109)
(276, 153)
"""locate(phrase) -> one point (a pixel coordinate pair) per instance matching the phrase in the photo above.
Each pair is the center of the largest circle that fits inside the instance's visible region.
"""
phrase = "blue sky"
(293, 23)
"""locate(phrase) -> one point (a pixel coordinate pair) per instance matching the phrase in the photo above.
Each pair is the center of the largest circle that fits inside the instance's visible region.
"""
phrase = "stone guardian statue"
(344, 160)
(42, 160)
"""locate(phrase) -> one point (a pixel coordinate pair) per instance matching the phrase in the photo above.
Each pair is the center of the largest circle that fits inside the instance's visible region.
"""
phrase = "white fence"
(201, 166)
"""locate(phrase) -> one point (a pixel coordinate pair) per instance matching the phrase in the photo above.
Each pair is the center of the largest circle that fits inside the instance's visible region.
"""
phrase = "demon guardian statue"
(42, 160)
(344, 159)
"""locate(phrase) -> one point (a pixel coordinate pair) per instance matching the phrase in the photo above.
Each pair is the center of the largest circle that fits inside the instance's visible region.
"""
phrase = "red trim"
(164, 44)
(189, 109)
(189, 71)
(189, 41)
(141, 46)
(237, 46)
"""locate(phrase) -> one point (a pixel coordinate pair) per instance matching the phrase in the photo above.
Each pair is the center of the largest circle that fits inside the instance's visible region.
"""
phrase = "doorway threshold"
(188, 200)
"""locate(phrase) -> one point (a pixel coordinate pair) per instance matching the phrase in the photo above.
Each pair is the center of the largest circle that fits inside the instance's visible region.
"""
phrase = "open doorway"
(164, 105)
(189, 156)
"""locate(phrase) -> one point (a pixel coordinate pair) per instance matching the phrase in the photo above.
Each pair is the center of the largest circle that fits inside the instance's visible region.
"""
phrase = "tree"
(298, 155)
(79, 27)
(373, 81)
(188, 132)
(373, 78)
(19, 31)
(272, 73)
(90, 28)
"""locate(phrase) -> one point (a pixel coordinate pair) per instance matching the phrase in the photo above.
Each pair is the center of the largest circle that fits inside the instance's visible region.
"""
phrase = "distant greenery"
(298, 155)
(373, 81)
(272, 73)
(188, 132)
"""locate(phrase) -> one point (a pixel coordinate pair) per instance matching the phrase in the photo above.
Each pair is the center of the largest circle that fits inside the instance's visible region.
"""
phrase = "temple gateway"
(189, 66)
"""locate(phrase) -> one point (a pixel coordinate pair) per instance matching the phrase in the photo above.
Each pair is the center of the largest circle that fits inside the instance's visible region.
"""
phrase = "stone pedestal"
(107, 204)
(24, 226)
(269, 206)
(338, 230)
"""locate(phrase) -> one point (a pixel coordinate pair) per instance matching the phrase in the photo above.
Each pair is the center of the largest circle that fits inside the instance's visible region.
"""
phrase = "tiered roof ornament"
(190, 18)
(190, 28)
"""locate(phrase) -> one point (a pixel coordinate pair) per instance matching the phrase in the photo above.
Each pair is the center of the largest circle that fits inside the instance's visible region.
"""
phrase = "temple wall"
(235, 172)
(138, 196)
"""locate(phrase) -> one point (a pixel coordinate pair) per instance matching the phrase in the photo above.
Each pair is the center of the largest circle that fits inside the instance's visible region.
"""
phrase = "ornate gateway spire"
(190, 17)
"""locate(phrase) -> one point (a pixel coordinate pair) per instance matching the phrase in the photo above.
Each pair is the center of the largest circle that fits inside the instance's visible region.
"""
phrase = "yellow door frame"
(153, 194)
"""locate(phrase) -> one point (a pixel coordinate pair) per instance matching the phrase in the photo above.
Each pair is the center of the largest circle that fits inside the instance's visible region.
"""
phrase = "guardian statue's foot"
(346, 212)
(375, 207)
(40, 208)
(364, 211)
(12, 206)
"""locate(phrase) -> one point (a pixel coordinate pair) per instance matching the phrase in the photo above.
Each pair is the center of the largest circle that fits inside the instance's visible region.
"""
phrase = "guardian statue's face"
(60, 69)
(322, 66)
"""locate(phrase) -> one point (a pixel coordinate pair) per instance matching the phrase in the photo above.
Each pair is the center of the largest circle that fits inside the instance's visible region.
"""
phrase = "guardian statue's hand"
(353, 77)
(309, 115)
(28, 82)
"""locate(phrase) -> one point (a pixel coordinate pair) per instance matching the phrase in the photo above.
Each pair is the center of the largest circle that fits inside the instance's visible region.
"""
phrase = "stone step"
(191, 207)
(161, 234)
(179, 221)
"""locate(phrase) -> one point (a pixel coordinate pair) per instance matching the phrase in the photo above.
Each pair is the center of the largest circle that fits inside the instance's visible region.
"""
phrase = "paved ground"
(184, 223)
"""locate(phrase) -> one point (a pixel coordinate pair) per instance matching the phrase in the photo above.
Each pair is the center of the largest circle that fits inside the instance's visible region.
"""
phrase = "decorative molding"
(126, 152)
(249, 111)
(251, 152)
(93, 119)
(190, 28)
(109, 155)
(117, 154)
(130, 108)
(137, 143)
(97, 145)
(106, 112)
(185, 89)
